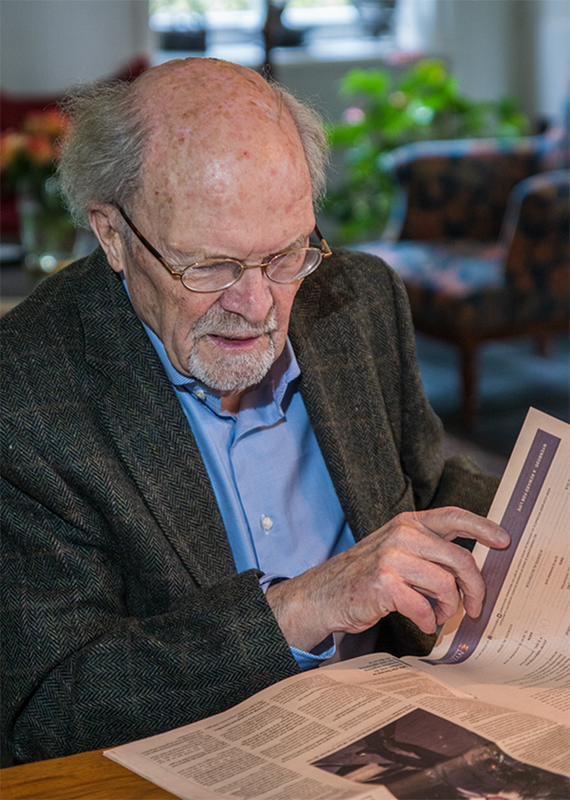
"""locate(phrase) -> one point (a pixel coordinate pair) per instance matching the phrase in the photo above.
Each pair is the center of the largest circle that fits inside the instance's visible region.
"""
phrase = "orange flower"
(11, 144)
(28, 155)
(50, 123)
(40, 150)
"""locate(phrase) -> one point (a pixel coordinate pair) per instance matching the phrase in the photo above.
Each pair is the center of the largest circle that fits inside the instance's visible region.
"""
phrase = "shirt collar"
(270, 390)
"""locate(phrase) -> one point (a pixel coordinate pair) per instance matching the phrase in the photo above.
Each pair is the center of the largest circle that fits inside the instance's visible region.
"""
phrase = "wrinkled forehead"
(216, 126)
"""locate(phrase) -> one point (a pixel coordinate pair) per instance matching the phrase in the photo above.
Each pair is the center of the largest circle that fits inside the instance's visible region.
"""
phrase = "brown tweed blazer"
(123, 615)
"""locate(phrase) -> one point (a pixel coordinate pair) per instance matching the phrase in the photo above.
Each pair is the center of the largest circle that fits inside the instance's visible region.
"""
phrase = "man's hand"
(396, 568)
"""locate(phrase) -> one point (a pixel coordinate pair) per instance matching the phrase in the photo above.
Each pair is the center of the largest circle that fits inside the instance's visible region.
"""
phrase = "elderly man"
(213, 459)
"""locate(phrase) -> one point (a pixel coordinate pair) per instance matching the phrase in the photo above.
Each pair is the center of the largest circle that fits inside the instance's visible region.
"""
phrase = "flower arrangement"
(27, 165)
(28, 156)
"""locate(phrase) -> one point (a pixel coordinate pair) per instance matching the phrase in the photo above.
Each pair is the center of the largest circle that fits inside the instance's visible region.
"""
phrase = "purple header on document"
(497, 564)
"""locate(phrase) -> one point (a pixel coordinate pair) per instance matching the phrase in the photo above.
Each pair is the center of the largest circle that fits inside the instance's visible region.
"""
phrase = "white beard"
(231, 372)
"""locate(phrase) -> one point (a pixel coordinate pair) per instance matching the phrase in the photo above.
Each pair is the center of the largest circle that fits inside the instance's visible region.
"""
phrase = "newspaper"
(484, 716)
(520, 643)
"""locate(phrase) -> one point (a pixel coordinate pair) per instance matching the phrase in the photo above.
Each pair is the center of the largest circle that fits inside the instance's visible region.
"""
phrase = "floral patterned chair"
(480, 236)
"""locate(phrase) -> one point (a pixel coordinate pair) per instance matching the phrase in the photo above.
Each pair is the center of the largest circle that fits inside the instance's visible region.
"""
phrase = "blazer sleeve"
(82, 670)
(436, 482)
(380, 438)
(122, 611)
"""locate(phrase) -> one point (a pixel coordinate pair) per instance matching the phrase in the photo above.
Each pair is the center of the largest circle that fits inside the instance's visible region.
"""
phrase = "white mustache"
(218, 322)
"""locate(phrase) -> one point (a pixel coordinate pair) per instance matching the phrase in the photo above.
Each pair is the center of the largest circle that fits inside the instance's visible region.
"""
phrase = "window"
(233, 28)
(225, 13)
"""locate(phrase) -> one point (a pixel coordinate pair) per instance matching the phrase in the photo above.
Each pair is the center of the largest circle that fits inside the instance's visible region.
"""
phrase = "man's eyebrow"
(299, 242)
(185, 258)
(190, 257)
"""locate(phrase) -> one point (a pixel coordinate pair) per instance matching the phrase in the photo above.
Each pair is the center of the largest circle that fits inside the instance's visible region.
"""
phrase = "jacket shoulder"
(85, 282)
(350, 288)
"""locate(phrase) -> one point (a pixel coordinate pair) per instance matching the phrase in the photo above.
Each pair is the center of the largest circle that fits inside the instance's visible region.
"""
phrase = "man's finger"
(451, 522)
(429, 580)
(441, 570)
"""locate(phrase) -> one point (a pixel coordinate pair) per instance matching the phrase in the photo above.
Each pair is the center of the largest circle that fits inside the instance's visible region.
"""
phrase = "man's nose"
(250, 297)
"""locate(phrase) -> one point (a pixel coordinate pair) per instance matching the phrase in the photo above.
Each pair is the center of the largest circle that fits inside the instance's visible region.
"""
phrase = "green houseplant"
(422, 103)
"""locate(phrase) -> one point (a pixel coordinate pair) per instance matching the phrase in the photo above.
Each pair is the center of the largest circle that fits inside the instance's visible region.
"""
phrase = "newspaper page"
(369, 728)
(517, 652)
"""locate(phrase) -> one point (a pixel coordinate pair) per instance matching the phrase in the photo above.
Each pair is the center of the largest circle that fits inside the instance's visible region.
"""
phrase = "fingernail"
(503, 537)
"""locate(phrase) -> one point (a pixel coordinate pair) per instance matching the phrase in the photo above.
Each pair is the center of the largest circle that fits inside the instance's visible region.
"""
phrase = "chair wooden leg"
(469, 372)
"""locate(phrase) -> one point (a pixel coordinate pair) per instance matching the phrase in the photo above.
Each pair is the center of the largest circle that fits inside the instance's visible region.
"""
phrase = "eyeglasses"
(213, 274)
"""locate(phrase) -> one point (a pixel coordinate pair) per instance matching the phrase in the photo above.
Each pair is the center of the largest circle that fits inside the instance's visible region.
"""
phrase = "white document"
(519, 649)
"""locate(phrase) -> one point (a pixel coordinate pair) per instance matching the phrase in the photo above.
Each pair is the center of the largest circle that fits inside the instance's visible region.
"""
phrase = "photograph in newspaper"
(422, 756)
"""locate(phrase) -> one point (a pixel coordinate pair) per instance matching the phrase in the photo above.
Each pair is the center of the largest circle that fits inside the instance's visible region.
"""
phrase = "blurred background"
(426, 69)
(496, 47)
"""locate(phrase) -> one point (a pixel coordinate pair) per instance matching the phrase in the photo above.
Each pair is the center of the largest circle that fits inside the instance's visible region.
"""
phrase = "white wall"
(496, 47)
(552, 52)
(48, 45)
(477, 37)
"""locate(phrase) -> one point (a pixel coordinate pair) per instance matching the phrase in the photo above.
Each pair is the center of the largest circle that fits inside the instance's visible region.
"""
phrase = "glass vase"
(47, 233)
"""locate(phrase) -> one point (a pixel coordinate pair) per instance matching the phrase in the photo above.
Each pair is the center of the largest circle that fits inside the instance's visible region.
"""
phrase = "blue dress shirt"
(273, 489)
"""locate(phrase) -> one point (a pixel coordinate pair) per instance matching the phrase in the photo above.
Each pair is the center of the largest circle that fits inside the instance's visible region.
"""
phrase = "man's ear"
(105, 223)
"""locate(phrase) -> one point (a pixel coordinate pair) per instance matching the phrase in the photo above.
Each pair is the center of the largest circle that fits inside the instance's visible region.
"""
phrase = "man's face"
(228, 339)
(227, 179)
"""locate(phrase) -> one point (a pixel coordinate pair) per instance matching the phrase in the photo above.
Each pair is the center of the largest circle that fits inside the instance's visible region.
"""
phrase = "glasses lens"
(211, 276)
(294, 265)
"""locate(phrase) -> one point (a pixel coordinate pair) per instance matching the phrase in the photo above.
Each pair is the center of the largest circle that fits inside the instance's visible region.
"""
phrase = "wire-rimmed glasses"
(214, 274)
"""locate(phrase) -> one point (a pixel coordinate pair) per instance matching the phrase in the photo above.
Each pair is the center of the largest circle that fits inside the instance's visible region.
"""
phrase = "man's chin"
(231, 372)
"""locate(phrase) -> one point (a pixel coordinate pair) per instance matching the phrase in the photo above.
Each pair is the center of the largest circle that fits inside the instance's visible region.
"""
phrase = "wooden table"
(86, 776)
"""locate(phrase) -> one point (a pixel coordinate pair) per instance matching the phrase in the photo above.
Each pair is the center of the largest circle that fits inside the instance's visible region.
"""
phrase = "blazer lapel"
(149, 429)
(344, 399)
(342, 395)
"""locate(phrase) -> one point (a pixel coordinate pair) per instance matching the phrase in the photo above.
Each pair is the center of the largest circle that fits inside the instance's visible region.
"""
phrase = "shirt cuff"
(270, 577)
(326, 649)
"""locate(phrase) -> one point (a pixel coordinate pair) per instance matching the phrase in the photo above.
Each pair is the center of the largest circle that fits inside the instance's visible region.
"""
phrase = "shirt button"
(200, 394)
(266, 523)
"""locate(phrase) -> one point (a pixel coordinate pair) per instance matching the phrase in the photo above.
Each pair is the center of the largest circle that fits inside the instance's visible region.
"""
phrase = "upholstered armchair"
(480, 236)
